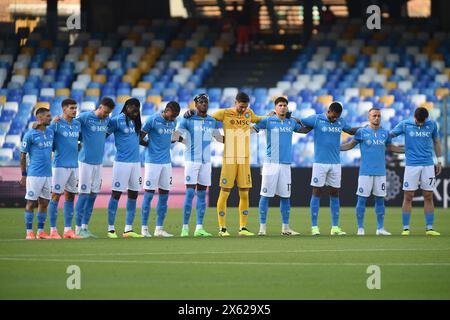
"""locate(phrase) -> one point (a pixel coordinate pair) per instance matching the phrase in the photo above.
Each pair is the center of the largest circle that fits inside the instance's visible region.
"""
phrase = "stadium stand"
(397, 69)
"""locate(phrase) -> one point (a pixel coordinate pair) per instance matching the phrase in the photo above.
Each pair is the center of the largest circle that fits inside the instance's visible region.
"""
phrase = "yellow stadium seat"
(386, 71)
(62, 92)
(145, 85)
(155, 99)
(93, 92)
(366, 92)
(144, 66)
(101, 78)
(46, 44)
(177, 43)
(90, 50)
(97, 65)
(440, 92)
(49, 65)
(122, 99)
(387, 100)
(134, 36)
(377, 65)
(447, 72)
(326, 100)
(192, 105)
(2, 99)
(437, 57)
(130, 79)
(428, 105)
(27, 50)
(349, 58)
(22, 72)
(88, 71)
(42, 104)
(191, 65)
(368, 50)
(390, 85)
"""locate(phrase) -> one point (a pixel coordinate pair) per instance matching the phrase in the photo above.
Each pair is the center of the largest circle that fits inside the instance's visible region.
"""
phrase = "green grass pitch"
(272, 267)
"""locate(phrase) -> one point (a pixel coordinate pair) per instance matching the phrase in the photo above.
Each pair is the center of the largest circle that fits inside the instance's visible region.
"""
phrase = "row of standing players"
(78, 145)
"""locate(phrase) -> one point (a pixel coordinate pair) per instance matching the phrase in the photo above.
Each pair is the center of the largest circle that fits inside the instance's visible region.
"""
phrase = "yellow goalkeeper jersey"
(236, 129)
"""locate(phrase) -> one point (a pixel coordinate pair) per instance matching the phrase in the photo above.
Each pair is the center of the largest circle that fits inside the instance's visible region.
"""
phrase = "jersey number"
(431, 181)
(383, 186)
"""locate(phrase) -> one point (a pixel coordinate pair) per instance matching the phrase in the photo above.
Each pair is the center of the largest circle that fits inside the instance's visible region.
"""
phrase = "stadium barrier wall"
(12, 194)
(301, 189)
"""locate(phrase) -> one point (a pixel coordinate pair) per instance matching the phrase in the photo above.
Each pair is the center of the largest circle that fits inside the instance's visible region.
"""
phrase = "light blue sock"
(314, 209)
(285, 208)
(41, 216)
(334, 206)
(201, 205)
(379, 210)
(68, 213)
(161, 209)
(263, 207)
(80, 208)
(29, 215)
(360, 210)
(429, 219)
(112, 210)
(406, 216)
(188, 205)
(146, 206)
(89, 208)
(53, 212)
(131, 211)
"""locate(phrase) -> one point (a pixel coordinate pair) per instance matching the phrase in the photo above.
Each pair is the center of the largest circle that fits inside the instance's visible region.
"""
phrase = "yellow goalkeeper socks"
(222, 208)
(243, 208)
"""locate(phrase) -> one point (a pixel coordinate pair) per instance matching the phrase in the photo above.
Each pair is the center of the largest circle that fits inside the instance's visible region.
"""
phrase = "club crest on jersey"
(57, 187)
(247, 115)
(117, 184)
(188, 178)
(30, 193)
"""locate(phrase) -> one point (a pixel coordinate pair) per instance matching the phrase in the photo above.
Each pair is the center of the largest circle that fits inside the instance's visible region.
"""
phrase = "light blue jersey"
(278, 138)
(327, 137)
(93, 136)
(198, 132)
(159, 133)
(418, 141)
(39, 146)
(373, 150)
(125, 138)
(65, 143)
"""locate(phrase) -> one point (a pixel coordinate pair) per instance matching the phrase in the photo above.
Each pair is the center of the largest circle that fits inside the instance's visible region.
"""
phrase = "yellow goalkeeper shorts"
(235, 172)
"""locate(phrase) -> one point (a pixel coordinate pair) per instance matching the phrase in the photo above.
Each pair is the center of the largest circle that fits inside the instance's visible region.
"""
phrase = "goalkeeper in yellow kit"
(236, 159)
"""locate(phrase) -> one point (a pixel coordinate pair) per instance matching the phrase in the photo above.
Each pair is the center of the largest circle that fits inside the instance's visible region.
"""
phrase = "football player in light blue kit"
(373, 141)
(126, 128)
(65, 168)
(37, 144)
(327, 163)
(93, 136)
(276, 171)
(158, 165)
(421, 137)
(197, 133)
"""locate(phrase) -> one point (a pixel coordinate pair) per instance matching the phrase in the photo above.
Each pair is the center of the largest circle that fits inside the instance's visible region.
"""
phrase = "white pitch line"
(220, 252)
(445, 264)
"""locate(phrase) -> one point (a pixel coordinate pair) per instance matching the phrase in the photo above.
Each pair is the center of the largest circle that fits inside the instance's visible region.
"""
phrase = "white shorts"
(38, 187)
(126, 176)
(197, 173)
(326, 174)
(276, 180)
(371, 184)
(90, 178)
(64, 179)
(158, 176)
(414, 175)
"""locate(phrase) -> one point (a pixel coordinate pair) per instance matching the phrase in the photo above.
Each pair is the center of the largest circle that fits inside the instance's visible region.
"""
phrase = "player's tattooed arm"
(142, 142)
(177, 137)
(304, 129)
(396, 148)
(348, 145)
(23, 167)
